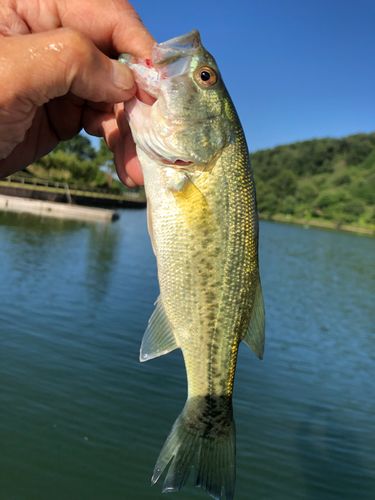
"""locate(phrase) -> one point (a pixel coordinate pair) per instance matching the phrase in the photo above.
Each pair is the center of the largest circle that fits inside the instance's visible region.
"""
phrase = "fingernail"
(121, 76)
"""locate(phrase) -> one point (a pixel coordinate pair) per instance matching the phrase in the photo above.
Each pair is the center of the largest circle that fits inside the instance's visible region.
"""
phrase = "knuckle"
(75, 53)
(75, 44)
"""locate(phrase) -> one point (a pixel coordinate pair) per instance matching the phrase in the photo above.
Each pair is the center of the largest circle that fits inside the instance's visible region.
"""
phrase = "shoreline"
(317, 223)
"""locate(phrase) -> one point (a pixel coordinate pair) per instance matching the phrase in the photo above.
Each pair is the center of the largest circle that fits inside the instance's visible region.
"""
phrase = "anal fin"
(158, 338)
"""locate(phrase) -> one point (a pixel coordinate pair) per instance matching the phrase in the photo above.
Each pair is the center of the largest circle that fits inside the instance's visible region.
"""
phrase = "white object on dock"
(54, 209)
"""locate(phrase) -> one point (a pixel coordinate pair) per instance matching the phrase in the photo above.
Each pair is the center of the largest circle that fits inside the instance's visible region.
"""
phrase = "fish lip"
(192, 39)
(168, 59)
(176, 48)
(173, 57)
(179, 164)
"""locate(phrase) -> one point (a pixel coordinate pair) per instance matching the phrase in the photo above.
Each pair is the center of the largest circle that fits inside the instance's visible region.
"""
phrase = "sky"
(295, 69)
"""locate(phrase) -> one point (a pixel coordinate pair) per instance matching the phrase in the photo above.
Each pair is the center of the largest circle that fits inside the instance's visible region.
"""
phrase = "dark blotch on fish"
(210, 415)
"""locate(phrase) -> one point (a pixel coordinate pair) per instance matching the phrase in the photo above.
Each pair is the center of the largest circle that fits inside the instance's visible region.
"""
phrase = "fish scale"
(203, 223)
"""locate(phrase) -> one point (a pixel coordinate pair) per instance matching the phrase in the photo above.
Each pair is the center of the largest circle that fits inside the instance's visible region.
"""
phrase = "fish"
(203, 222)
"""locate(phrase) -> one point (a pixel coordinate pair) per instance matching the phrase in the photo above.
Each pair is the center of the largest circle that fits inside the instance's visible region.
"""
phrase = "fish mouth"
(168, 59)
(188, 41)
(180, 164)
(166, 55)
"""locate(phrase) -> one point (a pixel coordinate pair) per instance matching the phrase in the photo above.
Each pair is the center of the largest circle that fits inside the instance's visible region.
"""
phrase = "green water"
(81, 418)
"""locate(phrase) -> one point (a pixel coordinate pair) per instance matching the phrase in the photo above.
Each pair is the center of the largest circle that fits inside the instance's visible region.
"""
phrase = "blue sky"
(295, 69)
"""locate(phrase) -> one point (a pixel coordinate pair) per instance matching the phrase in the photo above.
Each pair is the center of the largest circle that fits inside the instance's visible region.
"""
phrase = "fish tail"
(205, 440)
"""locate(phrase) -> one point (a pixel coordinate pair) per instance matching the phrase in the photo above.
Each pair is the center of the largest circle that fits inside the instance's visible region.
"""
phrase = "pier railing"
(18, 181)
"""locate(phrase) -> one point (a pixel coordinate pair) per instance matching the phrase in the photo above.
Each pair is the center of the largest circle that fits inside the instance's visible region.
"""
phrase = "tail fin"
(206, 442)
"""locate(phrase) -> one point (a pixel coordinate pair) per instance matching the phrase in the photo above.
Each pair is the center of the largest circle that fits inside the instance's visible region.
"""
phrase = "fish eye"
(206, 76)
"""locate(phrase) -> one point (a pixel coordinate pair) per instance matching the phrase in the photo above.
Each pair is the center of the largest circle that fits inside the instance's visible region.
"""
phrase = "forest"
(329, 179)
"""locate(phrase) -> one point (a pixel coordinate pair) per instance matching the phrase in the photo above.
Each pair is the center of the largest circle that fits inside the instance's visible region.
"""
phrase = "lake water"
(82, 419)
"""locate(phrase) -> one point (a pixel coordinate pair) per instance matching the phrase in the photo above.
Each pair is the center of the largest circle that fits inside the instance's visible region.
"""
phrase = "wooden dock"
(55, 209)
(39, 189)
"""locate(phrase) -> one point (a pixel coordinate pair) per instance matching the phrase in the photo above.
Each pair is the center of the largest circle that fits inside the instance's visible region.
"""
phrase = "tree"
(105, 162)
(285, 184)
(80, 146)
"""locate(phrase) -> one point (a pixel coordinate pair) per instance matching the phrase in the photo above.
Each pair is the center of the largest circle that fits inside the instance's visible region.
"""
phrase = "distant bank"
(326, 182)
(317, 223)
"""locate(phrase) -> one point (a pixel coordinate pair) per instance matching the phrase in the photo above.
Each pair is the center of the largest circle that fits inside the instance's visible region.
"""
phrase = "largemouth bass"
(203, 223)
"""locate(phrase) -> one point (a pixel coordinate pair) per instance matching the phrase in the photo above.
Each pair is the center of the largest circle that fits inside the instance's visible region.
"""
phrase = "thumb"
(40, 67)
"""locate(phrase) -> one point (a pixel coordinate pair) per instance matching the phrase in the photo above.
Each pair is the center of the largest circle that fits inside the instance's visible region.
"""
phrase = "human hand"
(57, 77)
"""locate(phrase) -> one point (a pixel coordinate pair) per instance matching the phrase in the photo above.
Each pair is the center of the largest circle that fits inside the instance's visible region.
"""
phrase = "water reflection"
(40, 236)
(59, 242)
(37, 224)
(102, 252)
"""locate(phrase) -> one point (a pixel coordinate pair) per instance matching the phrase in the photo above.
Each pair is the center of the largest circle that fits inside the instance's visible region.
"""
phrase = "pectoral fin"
(254, 337)
(158, 338)
(193, 205)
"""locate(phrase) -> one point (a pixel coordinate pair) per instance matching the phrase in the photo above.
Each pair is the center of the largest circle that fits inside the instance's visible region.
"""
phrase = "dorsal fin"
(158, 338)
(255, 334)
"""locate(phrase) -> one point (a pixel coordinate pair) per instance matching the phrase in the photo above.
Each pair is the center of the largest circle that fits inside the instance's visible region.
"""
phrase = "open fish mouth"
(172, 57)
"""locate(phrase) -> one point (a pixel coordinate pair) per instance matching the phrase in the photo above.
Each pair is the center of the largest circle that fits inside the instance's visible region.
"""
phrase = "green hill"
(327, 179)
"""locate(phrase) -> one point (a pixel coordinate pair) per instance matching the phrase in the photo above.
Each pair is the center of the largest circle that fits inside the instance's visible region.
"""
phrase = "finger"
(131, 162)
(31, 147)
(121, 143)
(40, 67)
(111, 25)
(121, 172)
(93, 120)
(65, 117)
(122, 121)
(114, 27)
(129, 154)
(143, 96)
